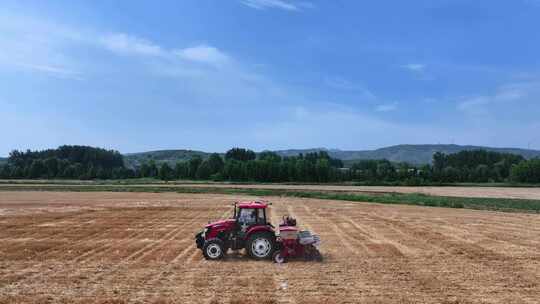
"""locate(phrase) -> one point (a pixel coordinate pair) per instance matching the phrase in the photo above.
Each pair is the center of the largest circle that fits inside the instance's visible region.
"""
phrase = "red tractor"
(250, 229)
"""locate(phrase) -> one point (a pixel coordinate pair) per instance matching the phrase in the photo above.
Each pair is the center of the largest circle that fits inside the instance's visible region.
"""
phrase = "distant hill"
(414, 154)
(170, 156)
(3, 160)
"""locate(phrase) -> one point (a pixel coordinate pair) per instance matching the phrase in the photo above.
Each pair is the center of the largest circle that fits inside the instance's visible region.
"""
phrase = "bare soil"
(98, 247)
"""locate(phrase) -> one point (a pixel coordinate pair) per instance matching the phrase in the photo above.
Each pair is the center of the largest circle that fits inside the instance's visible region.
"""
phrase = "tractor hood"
(221, 223)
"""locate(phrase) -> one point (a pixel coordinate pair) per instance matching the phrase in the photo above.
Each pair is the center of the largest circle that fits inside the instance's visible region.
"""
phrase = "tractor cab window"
(260, 216)
(247, 216)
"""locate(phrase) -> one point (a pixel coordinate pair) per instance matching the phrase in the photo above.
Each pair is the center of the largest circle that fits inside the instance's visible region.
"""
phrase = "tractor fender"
(213, 239)
(257, 229)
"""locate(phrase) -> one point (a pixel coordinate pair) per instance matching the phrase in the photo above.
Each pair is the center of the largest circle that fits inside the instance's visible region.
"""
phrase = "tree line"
(245, 165)
(475, 166)
(73, 162)
(238, 164)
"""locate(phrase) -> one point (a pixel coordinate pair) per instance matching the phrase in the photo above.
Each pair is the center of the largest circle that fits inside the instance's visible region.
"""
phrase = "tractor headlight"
(204, 232)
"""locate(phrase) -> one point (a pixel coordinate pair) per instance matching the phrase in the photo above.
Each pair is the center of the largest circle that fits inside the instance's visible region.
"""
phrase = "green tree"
(240, 154)
(70, 172)
(385, 170)
(5, 171)
(181, 170)
(204, 170)
(301, 170)
(251, 170)
(274, 172)
(62, 165)
(102, 173)
(215, 162)
(365, 170)
(450, 174)
(51, 164)
(481, 173)
(291, 170)
(166, 173)
(194, 164)
(91, 172)
(145, 170)
(152, 168)
(527, 171)
(17, 172)
(234, 170)
(37, 169)
(269, 156)
(323, 170)
(80, 171)
(501, 170)
(439, 161)
(149, 169)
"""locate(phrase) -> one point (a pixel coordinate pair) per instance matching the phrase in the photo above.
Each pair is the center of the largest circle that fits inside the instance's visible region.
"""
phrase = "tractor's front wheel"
(260, 246)
(213, 249)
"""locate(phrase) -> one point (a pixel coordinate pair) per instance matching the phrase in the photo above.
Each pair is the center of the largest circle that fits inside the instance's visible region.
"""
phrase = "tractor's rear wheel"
(213, 249)
(260, 246)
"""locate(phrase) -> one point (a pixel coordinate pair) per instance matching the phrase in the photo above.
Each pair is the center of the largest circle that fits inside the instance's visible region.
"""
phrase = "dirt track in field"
(494, 192)
(456, 191)
(62, 247)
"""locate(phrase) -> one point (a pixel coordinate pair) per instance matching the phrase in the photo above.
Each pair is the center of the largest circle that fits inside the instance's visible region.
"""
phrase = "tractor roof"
(253, 205)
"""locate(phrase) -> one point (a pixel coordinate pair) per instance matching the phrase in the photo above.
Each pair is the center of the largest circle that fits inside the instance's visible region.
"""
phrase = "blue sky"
(268, 74)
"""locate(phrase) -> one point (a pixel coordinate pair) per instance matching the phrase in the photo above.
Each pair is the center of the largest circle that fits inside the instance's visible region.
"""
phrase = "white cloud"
(515, 92)
(533, 2)
(238, 91)
(346, 85)
(340, 83)
(203, 53)
(389, 107)
(300, 112)
(474, 105)
(301, 128)
(126, 44)
(277, 4)
(57, 71)
(38, 46)
(414, 67)
(55, 50)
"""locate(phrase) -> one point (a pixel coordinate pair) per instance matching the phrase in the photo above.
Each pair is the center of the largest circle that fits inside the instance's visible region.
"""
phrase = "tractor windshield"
(252, 216)
(247, 216)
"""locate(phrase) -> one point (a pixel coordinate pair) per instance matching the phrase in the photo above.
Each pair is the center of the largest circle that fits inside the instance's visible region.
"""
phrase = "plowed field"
(65, 247)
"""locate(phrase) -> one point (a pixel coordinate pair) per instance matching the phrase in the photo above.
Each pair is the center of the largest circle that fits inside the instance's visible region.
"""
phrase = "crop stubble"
(62, 247)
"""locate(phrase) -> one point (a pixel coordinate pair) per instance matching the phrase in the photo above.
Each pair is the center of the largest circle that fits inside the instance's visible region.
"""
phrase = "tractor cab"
(248, 214)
